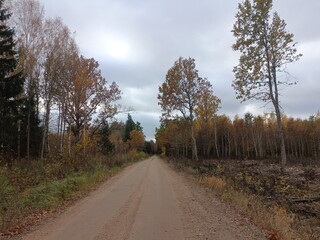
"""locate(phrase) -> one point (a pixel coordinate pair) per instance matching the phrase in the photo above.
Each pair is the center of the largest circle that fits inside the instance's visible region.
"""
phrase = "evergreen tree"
(139, 127)
(11, 88)
(130, 126)
(106, 146)
(148, 147)
(29, 110)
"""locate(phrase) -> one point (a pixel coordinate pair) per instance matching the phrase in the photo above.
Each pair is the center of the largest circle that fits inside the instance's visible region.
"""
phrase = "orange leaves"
(87, 93)
(184, 91)
(209, 104)
(185, 94)
(178, 92)
(136, 140)
(273, 235)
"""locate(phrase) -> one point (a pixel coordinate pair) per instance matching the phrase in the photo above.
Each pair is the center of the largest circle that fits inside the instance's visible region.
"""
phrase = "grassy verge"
(23, 205)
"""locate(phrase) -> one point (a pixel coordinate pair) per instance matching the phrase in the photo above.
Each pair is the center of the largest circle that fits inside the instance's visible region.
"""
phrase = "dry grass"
(215, 183)
(275, 220)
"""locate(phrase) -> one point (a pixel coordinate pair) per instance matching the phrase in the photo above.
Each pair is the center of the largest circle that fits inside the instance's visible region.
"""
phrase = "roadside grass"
(47, 196)
(29, 200)
(54, 194)
(273, 219)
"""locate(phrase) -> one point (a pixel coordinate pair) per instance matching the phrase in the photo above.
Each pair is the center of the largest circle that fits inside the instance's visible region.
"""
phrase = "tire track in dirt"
(205, 216)
(121, 224)
(159, 216)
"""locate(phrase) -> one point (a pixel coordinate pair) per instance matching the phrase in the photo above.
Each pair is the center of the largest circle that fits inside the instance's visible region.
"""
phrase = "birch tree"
(28, 21)
(266, 48)
(57, 37)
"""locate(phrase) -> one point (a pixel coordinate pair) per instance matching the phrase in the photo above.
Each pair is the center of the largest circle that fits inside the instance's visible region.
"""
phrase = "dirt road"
(148, 200)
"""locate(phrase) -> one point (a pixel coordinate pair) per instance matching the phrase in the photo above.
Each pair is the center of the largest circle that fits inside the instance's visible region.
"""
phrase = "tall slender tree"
(28, 21)
(57, 38)
(130, 126)
(11, 86)
(266, 47)
(106, 146)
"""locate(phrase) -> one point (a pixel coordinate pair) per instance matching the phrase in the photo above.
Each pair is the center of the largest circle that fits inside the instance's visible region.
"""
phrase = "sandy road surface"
(148, 200)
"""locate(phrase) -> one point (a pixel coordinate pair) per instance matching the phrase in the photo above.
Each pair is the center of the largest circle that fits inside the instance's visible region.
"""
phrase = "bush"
(134, 155)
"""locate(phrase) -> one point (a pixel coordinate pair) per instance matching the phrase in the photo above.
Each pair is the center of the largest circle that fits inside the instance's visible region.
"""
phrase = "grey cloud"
(159, 32)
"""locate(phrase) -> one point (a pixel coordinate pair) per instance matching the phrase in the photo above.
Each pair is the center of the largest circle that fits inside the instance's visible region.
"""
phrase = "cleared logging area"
(284, 202)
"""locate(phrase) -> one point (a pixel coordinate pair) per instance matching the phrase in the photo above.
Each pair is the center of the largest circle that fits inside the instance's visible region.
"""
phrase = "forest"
(55, 101)
(252, 161)
(58, 129)
(248, 137)
(190, 123)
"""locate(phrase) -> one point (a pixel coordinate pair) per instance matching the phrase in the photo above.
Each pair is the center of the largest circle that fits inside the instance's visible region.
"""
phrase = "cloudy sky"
(137, 41)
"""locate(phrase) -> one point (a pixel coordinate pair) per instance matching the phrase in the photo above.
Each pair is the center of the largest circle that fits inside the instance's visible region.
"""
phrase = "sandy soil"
(148, 200)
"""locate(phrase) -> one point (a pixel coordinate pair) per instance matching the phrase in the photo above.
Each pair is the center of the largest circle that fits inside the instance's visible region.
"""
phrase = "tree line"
(247, 137)
(55, 101)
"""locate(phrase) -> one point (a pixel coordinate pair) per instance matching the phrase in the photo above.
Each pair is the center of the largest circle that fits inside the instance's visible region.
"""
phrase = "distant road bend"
(148, 200)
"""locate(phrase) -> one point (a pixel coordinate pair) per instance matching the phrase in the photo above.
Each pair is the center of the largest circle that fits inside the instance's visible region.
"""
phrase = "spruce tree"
(106, 146)
(29, 110)
(11, 88)
(130, 126)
